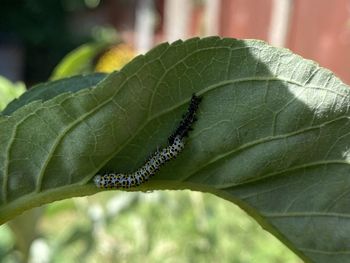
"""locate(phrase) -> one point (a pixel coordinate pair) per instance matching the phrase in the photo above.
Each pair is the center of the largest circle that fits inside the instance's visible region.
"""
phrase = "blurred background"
(44, 40)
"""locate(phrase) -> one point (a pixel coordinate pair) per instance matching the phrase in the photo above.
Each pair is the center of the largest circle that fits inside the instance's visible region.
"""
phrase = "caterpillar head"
(108, 180)
(99, 181)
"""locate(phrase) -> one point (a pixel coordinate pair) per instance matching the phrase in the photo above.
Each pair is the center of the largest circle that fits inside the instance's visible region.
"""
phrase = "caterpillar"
(152, 165)
(188, 119)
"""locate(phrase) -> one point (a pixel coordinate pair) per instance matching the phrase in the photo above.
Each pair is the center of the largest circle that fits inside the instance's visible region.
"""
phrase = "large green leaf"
(271, 136)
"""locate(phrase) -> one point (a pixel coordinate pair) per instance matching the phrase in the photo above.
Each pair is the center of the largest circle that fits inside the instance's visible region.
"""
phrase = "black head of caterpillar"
(159, 158)
(188, 119)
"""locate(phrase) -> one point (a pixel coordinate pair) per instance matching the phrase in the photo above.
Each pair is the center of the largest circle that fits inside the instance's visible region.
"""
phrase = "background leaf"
(271, 136)
(9, 91)
(79, 60)
(48, 90)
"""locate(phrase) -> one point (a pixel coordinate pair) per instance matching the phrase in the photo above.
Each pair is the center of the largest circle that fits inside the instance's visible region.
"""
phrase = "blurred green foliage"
(82, 59)
(78, 61)
(167, 226)
(9, 91)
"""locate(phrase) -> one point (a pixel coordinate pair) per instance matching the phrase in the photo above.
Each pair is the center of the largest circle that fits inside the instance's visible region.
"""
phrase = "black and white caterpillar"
(159, 158)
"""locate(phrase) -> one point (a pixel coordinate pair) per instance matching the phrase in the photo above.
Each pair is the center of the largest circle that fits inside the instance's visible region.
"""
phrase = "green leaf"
(272, 137)
(46, 91)
(79, 61)
(9, 91)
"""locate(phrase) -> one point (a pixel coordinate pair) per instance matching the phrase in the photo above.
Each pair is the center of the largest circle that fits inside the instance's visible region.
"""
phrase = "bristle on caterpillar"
(159, 158)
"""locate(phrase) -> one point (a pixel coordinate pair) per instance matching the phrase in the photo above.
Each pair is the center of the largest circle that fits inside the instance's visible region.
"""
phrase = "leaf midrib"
(305, 214)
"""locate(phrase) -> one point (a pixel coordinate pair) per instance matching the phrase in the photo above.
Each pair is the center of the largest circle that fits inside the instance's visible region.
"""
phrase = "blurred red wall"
(245, 18)
(318, 29)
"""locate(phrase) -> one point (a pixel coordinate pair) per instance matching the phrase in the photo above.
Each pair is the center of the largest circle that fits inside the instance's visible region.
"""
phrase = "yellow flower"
(115, 58)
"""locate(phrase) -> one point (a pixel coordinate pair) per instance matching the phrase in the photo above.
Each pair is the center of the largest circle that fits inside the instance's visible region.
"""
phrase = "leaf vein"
(260, 141)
